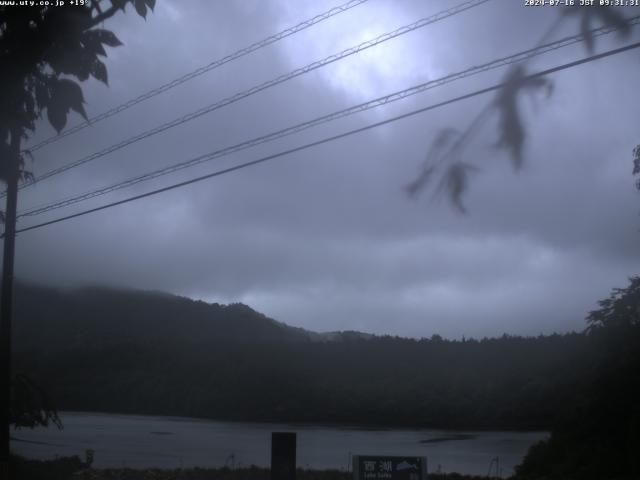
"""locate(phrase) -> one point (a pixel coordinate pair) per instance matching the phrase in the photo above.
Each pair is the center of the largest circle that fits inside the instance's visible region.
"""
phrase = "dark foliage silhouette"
(606, 15)
(600, 437)
(511, 128)
(31, 406)
(511, 124)
(40, 48)
(45, 50)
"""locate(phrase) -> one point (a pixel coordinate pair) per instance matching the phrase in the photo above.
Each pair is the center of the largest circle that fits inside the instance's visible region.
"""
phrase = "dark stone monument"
(283, 456)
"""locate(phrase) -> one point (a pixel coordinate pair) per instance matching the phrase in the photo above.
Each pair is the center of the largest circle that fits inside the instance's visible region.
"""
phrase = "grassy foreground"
(72, 468)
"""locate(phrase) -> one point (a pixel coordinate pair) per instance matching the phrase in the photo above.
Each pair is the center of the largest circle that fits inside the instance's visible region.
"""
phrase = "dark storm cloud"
(326, 239)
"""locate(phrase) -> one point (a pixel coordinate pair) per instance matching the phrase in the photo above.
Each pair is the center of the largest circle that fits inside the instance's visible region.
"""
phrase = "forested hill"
(54, 319)
(147, 353)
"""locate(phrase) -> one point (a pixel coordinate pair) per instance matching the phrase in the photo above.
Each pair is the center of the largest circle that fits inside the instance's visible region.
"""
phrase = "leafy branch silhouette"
(40, 48)
(606, 15)
(445, 156)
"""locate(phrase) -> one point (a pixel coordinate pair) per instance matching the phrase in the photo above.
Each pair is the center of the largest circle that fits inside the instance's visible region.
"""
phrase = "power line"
(268, 84)
(332, 138)
(399, 95)
(202, 70)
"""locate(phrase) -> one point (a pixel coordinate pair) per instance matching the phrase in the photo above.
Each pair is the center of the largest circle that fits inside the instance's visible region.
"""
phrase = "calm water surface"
(170, 442)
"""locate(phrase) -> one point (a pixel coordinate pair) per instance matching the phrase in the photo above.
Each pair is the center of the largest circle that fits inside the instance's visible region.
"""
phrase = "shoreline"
(303, 424)
(68, 468)
(181, 442)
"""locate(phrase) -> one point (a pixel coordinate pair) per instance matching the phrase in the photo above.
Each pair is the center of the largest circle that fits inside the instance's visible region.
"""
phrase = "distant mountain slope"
(100, 349)
(98, 317)
(92, 317)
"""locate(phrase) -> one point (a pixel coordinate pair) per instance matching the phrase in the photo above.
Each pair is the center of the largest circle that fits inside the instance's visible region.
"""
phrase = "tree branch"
(96, 5)
(101, 17)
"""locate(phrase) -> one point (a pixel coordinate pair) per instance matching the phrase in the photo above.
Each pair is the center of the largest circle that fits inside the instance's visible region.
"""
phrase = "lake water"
(170, 442)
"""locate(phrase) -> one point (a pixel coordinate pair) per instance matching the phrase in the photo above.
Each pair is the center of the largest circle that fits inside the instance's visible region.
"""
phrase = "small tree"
(42, 48)
(31, 406)
(599, 436)
(619, 312)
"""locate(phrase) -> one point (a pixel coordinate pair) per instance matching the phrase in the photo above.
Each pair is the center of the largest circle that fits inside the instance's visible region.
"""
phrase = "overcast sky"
(326, 239)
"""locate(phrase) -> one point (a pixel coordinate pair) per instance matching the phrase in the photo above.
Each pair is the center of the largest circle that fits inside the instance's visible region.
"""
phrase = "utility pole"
(6, 298)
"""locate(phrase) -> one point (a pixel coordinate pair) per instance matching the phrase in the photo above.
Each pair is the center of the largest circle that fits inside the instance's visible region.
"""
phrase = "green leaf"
(82, 68)
(57, 115)
(511, 126)
(99, 71)
(66, 95)
(70, 94)
(141, 8)
(456, 181)
(72, 59)
(63, 57)
(91, 41)
(107, 37)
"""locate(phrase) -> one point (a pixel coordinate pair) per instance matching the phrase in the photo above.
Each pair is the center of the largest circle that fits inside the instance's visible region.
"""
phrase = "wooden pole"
(6, 300)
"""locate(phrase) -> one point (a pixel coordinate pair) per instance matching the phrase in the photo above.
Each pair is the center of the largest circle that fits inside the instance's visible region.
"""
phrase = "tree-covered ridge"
(90, 318)
(139, 352)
